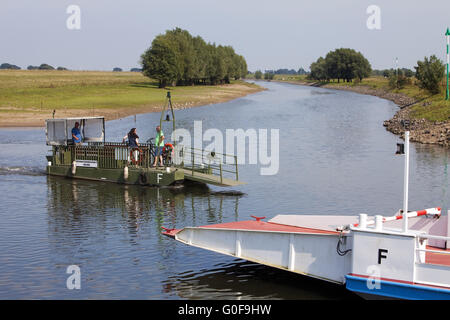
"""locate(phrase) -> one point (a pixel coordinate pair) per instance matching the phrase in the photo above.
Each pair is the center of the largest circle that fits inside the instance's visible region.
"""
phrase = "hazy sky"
(270, 34)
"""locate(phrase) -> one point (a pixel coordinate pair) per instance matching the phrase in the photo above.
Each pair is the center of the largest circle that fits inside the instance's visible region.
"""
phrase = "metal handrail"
(194, 160)
(429, 236)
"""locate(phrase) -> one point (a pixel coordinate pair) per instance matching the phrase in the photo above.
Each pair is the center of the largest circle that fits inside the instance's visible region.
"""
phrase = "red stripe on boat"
(266, 226)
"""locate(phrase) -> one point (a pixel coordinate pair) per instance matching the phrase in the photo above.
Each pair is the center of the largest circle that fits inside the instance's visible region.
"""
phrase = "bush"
(429, 74)
(398, 80)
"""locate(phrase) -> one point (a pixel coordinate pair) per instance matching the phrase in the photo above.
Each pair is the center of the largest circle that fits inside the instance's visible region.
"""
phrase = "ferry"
(97, 159)
(402, 256)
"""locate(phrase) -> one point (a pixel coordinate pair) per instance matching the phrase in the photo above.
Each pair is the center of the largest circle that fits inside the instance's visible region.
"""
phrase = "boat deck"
(253, 225)
(266, 226)
(209, 178)
(438, 258)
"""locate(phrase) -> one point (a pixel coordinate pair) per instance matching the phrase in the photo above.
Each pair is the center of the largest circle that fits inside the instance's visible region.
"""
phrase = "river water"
(335, 158)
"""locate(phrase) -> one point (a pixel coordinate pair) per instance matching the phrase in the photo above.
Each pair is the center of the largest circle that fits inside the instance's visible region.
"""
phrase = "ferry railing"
(109, 155)
(422, 249)
(206, 161)
(426, 269)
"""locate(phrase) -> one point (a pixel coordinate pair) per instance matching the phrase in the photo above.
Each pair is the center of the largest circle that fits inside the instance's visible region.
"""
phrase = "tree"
(318, 70)
(301, 71)
(9, 66)
(429, 74)
(258, 74)
(269, 76)
(178, 58)
(343, 63)
(45, 66)
(160, 62)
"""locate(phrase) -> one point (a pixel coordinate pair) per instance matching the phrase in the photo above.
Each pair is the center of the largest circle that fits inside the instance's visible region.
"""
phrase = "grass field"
(428, 106)
(27, 97)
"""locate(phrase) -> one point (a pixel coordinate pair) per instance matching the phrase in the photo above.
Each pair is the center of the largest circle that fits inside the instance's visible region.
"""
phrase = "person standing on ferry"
(76, 134)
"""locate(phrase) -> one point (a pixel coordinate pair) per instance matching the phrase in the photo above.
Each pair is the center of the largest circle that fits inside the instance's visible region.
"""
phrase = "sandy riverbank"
(27, 97)
(36, 118)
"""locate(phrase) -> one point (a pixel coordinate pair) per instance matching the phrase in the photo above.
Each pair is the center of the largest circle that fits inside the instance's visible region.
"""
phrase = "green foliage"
(398, 79)
(318, 70)
(9, 66)
(178, 58)
(258, 74)
(343, 63)
(388, 72)
(429, 74)
(269, 76)
(45, 66)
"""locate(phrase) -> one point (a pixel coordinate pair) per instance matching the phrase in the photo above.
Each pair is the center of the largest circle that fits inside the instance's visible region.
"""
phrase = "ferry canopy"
(59, 131)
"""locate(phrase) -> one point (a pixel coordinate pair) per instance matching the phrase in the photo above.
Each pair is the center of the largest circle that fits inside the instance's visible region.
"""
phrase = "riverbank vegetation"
(422, 90)
(178, 58)
(422, 103)
(27, 97)
(341, 64)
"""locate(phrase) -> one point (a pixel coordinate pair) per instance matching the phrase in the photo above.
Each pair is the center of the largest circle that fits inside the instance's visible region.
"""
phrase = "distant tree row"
(341, 64)
(177, 57)
(9, 66)
(117, 69)
(428, 73)
(300, 71)
(388, 72)
(45, 66)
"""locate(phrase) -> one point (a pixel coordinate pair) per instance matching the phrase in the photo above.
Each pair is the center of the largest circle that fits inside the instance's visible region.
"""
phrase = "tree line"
(341, 64)
(347, 64)
(178, 58)
(300, 71)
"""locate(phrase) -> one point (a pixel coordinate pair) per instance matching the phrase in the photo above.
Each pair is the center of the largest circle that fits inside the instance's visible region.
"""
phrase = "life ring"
(133, 160)
(166, 146)
(142, 178)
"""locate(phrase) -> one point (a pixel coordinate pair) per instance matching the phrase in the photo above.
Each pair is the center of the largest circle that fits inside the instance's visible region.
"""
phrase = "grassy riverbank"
(426, 116)
(27, 97)
(423, 105)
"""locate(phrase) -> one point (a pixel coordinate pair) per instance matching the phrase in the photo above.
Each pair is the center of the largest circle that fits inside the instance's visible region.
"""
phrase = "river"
(335, 158)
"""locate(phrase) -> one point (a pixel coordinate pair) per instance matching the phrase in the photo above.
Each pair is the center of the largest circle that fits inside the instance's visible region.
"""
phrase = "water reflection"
(244, 280)
(335, 158)
(135, 206)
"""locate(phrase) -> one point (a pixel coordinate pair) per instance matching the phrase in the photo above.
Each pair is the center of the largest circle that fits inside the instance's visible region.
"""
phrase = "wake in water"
(22, 170)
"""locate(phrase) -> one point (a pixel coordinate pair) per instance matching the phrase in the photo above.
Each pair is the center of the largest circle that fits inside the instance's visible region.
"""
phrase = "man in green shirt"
(159, 144)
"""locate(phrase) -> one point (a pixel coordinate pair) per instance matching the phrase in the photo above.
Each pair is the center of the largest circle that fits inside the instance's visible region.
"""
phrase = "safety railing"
(116, 155)
(206, 162)
(105, 155)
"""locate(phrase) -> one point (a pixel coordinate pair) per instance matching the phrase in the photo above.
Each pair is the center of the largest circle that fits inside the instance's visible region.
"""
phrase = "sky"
(270, 34)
